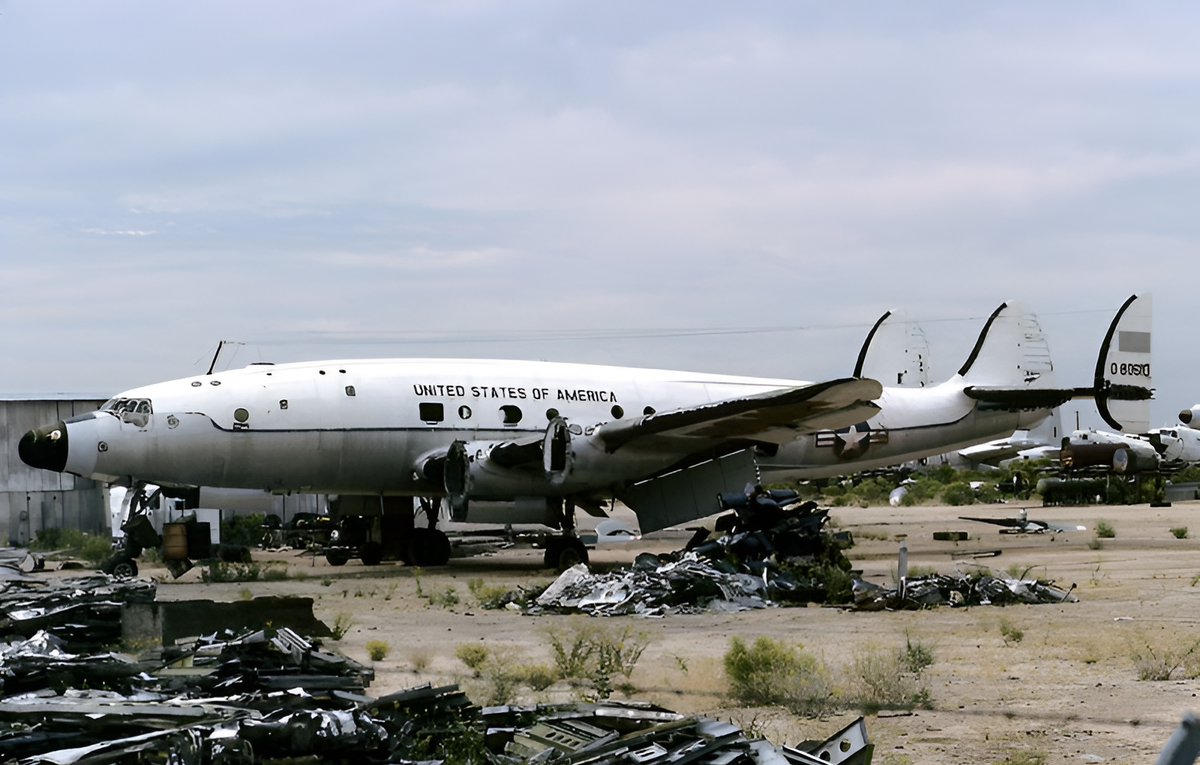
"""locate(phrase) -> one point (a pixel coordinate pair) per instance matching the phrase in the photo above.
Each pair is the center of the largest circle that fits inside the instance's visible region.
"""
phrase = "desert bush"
(378, 649)
(472, 654)
(958, 493)
(502, 674)
(587, 649)
(244, 530)
(1104, 530)
(420, 658)
(274, 571)
(92, 548)
(1180, 532)
(1011, 633)
(1158, 662)
(892, 678)
(773, 673)
(1095, 543)
(443, 598)
(489, 596)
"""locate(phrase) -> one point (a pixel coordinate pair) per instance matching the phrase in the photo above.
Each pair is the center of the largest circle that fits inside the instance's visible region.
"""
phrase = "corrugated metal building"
(32, 499)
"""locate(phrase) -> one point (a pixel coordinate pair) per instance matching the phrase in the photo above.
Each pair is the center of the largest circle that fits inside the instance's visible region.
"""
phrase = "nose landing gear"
(565, 550)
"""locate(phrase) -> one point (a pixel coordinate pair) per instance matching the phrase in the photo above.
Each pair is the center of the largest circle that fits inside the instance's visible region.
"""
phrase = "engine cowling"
(1191, 417)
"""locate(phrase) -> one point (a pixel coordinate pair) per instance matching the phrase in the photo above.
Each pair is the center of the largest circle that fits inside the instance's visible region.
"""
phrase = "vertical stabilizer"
(1123, 380)
(895, 353)
(1011, 351)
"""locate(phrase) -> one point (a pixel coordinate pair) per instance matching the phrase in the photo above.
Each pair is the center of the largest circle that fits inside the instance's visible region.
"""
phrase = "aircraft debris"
(273, 694)
(771, 548)
(974, 589)
(82, 611)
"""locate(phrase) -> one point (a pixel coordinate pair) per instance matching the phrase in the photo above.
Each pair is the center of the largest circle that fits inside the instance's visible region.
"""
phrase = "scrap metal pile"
(82, 611)
(772, 548)
(974, 589)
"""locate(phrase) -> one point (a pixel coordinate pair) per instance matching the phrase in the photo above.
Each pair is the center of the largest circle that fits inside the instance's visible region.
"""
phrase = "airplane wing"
(778, 416)
(1010, 522)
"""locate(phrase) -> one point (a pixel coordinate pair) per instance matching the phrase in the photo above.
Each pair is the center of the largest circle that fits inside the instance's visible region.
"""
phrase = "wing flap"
(778, 416)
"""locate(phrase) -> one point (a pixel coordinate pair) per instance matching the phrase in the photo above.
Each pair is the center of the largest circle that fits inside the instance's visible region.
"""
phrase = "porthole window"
(241, 415)
(512, 414)
(617, 411)
(197, 384)
(551, 414)
(648, 411)
(214, 382)
(283, 403)
(349, 390)
(321, 371)
(464, 412)
(342, 371)
(432, 412)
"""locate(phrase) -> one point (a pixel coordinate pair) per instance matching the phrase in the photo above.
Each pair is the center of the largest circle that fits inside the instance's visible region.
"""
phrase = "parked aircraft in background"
(545, 437)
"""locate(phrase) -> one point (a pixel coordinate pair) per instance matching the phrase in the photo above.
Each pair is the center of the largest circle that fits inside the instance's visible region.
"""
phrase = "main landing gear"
(390, 532)
(565, 550)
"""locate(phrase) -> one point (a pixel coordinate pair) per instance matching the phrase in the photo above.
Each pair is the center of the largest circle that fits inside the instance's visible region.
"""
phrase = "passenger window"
(512, 414)
(283, 403)
(432, 412)
(349, 390)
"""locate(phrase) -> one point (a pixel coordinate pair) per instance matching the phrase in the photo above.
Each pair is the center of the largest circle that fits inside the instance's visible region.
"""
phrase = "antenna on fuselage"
(220, 346)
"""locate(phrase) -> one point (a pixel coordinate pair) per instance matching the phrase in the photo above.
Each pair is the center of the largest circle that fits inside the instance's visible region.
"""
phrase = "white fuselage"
(361, 427)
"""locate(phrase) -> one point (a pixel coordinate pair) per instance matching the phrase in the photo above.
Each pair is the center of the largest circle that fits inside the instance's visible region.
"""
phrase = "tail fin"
(895, 352)
(1123, 368)
(1011, 352)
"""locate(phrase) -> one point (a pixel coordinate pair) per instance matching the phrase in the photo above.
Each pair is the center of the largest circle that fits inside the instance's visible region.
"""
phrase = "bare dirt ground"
(1067, 691)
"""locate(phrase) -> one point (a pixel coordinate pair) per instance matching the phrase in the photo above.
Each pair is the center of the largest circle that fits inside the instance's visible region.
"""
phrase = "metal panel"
(688, 494)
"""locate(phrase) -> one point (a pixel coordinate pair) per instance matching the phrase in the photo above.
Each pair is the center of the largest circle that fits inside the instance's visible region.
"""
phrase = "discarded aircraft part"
(960, 590)
(610, 531)
(1183, 747)
(85, 611)
(896, 498)
(1022, 524)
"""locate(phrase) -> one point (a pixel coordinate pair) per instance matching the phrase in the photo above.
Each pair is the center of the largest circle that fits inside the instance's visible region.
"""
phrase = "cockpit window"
(121, 406)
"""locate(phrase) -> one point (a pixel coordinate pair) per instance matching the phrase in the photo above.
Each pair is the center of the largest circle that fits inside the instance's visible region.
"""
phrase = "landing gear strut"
(565, 550)
(429, 546)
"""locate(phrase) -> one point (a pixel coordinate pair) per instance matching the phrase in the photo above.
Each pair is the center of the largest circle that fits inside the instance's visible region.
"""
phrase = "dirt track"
(1068, 689)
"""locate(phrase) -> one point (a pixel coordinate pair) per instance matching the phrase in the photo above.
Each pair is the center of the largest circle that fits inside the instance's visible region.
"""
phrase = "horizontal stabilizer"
(778, 416)
(1025, 398)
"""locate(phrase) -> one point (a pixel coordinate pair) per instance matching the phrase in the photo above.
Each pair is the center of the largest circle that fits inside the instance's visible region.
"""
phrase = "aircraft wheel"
(337, 557)
(564, 552)
(120, 566)
(429, 547)
(372, 554)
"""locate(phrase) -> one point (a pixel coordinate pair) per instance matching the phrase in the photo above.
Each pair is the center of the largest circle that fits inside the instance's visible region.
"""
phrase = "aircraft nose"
(45, 447)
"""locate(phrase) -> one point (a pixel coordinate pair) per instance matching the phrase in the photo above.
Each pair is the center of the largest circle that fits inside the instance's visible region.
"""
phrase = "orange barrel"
(175, 541)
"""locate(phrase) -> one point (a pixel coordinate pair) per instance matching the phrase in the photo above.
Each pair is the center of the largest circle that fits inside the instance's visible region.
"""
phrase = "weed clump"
(1104, 530)
(586, 650)
(892, 678)
(1153, 662)
(772, 673)
(1180, 532)
(378, 649)
(473, 655)
(1011, 633)
(341, 625)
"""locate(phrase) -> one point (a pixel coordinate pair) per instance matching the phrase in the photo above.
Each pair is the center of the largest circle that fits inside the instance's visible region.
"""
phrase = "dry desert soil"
(1068, 690)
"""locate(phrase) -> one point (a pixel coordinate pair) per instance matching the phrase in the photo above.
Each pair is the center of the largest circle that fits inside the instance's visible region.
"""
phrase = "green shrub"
(772, 673)
(472, 654)
(341, 625)
(587, 649)
(959, 493)
(377, 649)
(1158, 662)
(489, 596)
(1011, 633)
(1104, 530)
(244, 530)
(95, 548)
(1180, 532)
(890, 679)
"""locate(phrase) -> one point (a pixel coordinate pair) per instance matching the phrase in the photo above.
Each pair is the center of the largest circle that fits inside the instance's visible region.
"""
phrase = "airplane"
(545, 437)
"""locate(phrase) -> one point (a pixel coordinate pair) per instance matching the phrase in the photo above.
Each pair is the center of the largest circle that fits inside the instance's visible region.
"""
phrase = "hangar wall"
(31, 499)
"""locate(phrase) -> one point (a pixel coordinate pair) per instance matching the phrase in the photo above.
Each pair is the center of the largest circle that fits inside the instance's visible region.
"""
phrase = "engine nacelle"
(1191, 417)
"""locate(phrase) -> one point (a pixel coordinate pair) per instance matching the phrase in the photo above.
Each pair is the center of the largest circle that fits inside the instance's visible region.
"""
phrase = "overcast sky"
(611, 182)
